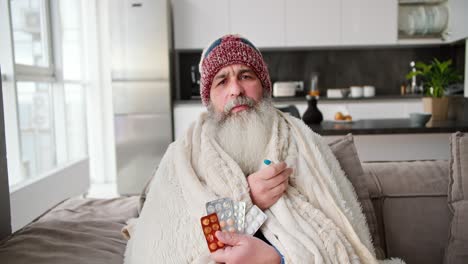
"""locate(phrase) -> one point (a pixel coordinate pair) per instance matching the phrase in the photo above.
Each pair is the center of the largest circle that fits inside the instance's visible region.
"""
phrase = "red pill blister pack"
(210, 224)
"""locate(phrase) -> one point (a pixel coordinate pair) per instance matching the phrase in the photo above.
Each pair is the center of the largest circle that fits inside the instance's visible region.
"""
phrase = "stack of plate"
(422, 19)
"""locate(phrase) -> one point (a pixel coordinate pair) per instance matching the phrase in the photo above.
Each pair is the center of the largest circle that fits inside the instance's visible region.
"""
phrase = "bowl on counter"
(420, 119)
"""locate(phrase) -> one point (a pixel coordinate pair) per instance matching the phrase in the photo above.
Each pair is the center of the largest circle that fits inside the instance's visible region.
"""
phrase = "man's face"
(231, 82)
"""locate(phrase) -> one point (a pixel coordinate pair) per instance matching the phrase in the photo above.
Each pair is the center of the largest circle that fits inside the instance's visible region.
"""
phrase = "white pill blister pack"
(254, 219)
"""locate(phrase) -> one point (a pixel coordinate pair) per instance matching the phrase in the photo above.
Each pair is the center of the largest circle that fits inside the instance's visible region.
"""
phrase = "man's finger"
(280, 189)
(280, 178)
(221, 255)
(274, 169)
(229, 238)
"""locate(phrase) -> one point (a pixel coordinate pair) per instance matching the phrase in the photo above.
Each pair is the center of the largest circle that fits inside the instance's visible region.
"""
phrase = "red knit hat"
(228, 50)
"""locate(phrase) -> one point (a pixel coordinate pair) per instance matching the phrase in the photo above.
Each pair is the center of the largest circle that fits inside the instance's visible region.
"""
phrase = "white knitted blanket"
(318, 219)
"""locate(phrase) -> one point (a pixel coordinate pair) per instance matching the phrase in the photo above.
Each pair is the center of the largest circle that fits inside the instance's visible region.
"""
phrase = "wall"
(383, 67)
(5, 221)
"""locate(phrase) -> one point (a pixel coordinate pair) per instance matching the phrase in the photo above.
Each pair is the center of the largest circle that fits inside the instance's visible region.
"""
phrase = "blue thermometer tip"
(267, 162)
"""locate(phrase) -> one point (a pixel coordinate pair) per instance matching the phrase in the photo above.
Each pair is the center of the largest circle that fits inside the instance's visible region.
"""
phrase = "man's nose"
(236, 88)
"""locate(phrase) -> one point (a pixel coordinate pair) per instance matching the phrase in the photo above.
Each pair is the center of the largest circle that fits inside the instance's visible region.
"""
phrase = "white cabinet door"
(312, 23)
(369, 22)
(198, 22)
(261, 21)
(457, 28)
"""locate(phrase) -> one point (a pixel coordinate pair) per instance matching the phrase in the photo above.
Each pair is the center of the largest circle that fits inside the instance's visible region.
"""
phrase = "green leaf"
(437, 75)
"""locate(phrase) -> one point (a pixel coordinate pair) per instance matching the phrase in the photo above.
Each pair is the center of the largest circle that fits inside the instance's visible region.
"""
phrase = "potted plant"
(436, 76)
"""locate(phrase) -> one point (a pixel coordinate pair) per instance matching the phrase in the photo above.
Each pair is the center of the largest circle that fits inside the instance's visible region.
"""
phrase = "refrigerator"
(140, 43)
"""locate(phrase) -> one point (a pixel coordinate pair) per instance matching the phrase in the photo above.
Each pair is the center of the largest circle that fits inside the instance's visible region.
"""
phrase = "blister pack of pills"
(239, 216)
(224, 208)
(229, 216)
(210, 225)
(254, 219)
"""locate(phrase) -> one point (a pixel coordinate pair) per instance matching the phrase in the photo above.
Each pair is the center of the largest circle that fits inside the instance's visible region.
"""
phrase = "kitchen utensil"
(356, 91)
(420, 119)
(369, 91)
(312, 115)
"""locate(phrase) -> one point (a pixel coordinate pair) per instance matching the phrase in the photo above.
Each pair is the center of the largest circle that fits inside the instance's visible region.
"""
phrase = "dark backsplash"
(384, 68)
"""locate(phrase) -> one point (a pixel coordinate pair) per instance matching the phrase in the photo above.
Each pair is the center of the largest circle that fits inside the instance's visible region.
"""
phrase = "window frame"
(30, 197)
(26, 72)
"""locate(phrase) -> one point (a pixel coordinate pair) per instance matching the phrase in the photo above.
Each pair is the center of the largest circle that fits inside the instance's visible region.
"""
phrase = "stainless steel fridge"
(140, 43)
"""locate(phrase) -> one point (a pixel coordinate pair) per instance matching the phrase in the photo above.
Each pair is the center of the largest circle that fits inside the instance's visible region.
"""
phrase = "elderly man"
(313, 213)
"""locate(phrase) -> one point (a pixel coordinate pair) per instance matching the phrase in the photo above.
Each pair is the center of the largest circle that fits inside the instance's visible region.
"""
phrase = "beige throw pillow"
(457, 248)
(346, 154)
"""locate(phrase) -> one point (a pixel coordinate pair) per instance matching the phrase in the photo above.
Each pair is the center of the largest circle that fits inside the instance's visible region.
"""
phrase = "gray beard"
(244, 136)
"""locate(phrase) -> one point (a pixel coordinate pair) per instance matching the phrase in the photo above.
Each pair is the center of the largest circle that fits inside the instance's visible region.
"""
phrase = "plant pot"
(438, 107)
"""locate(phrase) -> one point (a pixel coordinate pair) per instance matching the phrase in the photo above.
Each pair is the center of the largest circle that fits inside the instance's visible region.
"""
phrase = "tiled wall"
(385, 67)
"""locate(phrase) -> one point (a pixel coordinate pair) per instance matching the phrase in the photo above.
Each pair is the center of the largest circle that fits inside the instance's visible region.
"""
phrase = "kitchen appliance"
(287, 89)
(140, 34)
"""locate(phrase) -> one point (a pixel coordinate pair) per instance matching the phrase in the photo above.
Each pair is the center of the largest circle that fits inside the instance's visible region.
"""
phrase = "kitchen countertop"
(301, 99)
(388, 126)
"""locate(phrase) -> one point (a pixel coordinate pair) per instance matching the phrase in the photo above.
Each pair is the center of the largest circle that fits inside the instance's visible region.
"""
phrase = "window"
(36, 123)
(42, 54)
(31, 35)
(50, 88)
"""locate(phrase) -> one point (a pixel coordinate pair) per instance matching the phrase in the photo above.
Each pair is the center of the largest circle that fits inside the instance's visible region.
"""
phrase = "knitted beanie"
(229, 50)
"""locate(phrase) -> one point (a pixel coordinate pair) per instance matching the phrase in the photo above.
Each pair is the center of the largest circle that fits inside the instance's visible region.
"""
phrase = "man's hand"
(244, 249)
(268, 184)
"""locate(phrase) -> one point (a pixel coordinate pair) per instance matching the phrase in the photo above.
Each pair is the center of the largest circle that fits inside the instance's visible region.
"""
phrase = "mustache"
(242, 100)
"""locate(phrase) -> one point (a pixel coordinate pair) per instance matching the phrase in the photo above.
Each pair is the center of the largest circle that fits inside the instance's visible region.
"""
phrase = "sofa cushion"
(410, 201)
(457, 248)
(346, 154)
(74, 232)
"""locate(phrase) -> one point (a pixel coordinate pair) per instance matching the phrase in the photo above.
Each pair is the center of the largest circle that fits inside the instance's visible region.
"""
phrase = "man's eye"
(246, 76)
(221, 82)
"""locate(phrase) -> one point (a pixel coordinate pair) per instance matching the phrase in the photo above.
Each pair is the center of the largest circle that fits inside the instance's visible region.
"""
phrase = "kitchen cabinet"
(304, 23)
(312, 23)
(197, 22)
(458, 19)
(369, 22)
(261, 21)
(456, 24)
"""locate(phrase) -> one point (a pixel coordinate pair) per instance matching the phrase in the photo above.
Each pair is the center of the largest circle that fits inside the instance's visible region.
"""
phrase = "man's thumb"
(228, 238)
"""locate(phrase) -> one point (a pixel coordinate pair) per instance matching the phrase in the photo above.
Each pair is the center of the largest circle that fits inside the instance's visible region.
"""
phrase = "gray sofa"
(410, 202)
(409, 198)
